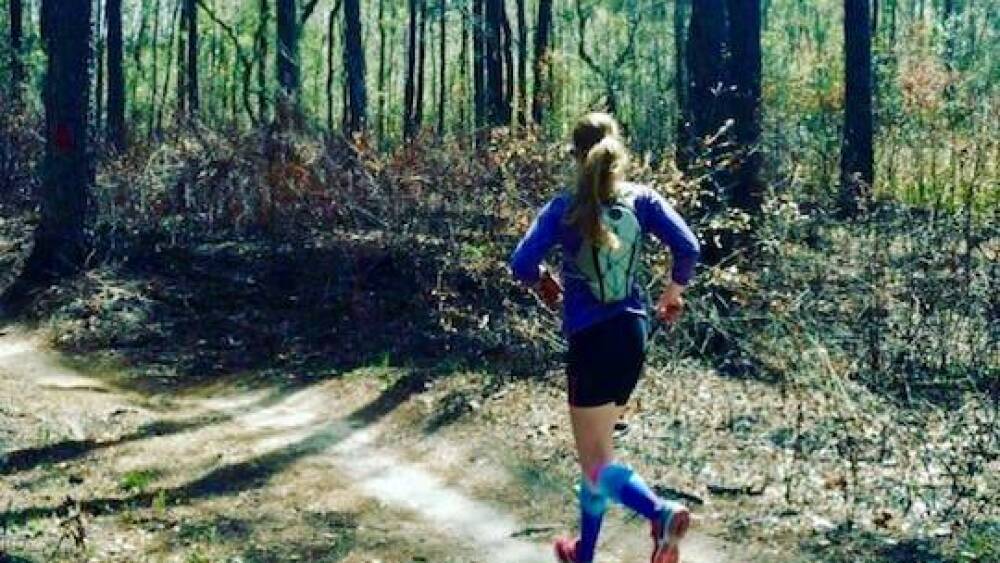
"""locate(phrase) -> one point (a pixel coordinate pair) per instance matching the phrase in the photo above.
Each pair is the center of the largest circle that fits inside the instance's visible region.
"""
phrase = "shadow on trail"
(234, 478)
(22, 460)
(291, 313)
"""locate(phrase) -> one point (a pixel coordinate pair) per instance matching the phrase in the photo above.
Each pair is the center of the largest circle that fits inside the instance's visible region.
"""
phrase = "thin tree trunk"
(98, 117)
(857, 173)
(542, 96)
(260, 48)
(354, 53)
(116, 77)
(169, 69)
(522, 65)
(409, 127)
(422, 65)
(182, 92)
(330, 30)
(192, 57)
(16, 15)
(494, 87)
(288, 61)
(509, 66)
(60, 241)
(463, 71)
(442, 67)
(478, 61)
(381, 71)
(153, 110)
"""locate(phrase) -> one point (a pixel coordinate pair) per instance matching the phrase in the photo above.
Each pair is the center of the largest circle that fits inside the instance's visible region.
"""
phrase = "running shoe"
(668, 531)
(566, 550)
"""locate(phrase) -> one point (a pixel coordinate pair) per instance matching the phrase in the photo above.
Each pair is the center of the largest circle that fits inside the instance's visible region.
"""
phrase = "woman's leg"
(592, 429)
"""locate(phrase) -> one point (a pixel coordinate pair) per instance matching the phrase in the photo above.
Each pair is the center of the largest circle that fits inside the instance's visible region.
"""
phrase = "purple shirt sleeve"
(659, 217)
(541, 237)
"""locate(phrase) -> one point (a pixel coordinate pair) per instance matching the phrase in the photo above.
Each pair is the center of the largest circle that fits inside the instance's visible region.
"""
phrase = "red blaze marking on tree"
(63, 137)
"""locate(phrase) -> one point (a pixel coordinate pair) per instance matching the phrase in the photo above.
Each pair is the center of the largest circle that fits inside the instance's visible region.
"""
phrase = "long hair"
(602, 160)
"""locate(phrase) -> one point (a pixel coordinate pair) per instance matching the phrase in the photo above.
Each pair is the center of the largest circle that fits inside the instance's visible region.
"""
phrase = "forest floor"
(340, 470)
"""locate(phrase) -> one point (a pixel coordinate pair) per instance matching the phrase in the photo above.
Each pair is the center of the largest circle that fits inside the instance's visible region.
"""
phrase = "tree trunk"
(287, 63)
(443, 66)
(542, 96)
(381, 70)
(463, 72)
(857, 173)
(60, 242)
(260, 48)
(508, 66)
(16, 40)
(354, 52)
(706, 109)
(681, 80)
(191, 24)
(182, 91)
(409, 111)
(522, 65)
(330, 30)
(478, 61)
(98, 99)
(116, 77)
(421, 66)
(153, 110)
(494, 86)
(745, 68)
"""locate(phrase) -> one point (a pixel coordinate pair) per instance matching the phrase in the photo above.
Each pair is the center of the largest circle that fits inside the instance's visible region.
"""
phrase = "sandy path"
(270, 437)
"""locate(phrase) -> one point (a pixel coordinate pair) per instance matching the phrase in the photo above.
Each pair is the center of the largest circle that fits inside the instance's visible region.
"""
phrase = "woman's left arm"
(669, 227)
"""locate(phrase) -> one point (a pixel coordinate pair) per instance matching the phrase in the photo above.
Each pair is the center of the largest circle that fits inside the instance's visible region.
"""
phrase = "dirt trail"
(262, 463)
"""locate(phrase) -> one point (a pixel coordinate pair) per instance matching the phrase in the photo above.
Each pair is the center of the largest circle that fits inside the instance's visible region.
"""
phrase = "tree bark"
(706, 109)
(745, 69)
(421, 65)
(479, 61)
(60, 242)
(409, 111)
(522, 65)
(191, 23)
(116, 77)
(494, 63)
(98, 98)
(542, 96)
(287, 63)
(381, 70)
(442, 66)
(857, 173)
(354, 53)
(682, 10)
(16, 15)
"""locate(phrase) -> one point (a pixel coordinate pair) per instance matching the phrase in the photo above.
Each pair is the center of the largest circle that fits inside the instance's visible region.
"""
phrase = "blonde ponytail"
(602, 166)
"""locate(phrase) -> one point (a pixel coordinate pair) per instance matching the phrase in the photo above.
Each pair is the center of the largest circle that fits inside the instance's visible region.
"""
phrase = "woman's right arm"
(526, 261)
(670, 228)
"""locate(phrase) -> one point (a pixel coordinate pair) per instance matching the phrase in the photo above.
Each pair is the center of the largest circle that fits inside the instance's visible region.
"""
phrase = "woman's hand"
(549, 290)
(671, 304)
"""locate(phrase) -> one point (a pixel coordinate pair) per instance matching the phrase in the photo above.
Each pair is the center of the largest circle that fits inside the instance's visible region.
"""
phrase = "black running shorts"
(604, 361)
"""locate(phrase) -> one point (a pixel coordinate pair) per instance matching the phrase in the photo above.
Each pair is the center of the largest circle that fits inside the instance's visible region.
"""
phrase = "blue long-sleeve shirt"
(581, 309)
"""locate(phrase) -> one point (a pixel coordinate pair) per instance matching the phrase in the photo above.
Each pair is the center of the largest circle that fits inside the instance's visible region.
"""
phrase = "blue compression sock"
(620, 483)
(593, 505)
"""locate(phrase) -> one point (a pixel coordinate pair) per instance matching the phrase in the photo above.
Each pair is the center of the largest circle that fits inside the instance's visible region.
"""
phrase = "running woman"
(599, 230)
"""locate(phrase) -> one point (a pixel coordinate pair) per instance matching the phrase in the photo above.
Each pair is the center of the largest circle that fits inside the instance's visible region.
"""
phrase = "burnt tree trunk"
(60, 238)
(354, 54)
(745, 71)
(116, 77)
(857, 169)
(542, 96)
